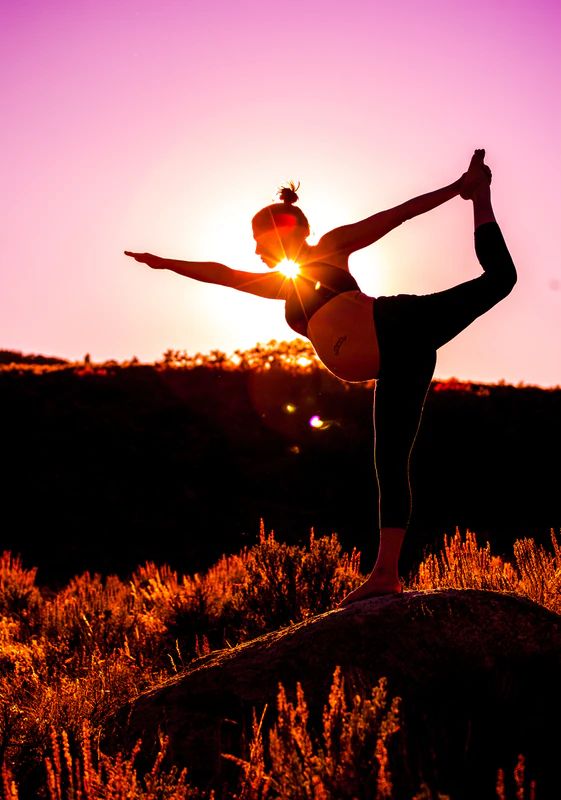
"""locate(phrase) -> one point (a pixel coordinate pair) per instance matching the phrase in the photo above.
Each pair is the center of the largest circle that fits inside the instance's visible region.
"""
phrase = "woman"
(391, 339)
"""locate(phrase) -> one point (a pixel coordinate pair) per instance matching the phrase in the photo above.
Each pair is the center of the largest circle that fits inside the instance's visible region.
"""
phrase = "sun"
(290, 269)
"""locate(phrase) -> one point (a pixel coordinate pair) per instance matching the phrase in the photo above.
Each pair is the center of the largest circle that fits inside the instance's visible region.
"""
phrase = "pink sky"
(164, 126)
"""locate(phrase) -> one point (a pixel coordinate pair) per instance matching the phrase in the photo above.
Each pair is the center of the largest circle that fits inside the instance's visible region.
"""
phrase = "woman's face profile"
(279, 244)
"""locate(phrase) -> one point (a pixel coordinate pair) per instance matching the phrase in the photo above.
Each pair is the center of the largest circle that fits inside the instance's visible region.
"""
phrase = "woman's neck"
(307, 254)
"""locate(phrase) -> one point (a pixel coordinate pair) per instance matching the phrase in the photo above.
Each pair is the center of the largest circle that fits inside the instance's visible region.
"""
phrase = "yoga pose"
(391, 339)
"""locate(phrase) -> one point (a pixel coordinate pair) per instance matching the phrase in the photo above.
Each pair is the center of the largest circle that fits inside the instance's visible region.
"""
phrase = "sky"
(163, 126)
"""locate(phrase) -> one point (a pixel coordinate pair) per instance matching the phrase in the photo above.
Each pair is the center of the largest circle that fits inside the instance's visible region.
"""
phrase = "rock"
(477, 671)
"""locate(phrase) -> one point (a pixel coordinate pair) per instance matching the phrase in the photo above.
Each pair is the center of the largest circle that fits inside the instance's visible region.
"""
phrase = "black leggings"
(410, 329)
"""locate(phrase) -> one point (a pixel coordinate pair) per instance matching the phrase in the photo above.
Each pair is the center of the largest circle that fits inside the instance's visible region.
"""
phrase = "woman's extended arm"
(264, 284)
(353, 237)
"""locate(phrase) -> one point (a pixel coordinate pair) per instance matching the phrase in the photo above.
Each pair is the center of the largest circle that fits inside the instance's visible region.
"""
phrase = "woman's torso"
(342, 329)
(344, 337)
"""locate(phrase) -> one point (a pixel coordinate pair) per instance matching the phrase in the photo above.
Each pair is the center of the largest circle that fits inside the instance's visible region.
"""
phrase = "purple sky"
(164, 126)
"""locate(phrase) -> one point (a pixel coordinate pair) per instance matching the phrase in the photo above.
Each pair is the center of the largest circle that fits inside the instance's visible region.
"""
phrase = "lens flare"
(290, 269)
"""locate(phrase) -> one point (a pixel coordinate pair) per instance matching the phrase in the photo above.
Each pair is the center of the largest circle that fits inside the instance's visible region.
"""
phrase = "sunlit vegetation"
(534, 573)
(72, 657)
(297, 356)
(348, 760)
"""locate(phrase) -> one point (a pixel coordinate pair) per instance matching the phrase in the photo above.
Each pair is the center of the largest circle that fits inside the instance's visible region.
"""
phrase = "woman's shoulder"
(323, 255)
(315, 269)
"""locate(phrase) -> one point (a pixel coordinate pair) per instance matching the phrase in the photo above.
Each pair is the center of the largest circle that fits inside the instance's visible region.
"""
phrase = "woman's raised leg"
(441, 316)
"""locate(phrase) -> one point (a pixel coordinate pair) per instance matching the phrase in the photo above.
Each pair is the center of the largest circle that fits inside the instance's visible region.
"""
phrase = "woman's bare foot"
(478, 175)
(373, 586)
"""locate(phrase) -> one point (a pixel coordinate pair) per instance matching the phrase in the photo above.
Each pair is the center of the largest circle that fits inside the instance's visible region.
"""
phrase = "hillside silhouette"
(111, 464)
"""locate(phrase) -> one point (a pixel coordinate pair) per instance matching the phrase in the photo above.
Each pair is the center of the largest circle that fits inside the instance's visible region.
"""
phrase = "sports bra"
(315, 286)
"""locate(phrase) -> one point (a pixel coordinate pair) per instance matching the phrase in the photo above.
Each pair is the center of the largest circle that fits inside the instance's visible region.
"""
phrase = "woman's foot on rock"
(371, 588)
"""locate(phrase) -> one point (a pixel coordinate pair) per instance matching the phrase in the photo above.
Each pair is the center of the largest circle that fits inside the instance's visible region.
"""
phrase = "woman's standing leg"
(399, 399)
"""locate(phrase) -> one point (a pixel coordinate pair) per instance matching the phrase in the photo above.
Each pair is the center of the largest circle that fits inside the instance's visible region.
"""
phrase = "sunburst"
(290, 269)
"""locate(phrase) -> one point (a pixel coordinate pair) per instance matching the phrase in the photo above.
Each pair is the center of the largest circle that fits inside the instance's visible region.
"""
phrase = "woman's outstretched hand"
(147, 258)
(478, 175)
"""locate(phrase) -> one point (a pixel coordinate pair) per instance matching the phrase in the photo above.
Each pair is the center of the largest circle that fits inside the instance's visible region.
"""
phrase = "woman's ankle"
(482, 208)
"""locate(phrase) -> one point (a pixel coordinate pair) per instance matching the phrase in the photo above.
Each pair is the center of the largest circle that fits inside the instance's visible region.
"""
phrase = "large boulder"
(478, 673)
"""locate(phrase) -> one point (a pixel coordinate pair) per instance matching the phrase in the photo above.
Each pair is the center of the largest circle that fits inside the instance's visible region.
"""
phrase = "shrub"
(285, 583)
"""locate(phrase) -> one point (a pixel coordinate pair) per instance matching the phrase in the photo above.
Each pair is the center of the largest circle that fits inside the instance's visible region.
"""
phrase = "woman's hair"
(284, 214)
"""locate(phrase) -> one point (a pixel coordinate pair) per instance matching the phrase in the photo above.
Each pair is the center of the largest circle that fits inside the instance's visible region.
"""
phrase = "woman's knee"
(510, 279)
(495, 258)
(501, 281)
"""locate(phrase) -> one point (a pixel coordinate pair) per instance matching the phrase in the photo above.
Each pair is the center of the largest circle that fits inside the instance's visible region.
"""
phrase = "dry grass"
(462, 563)
(349, 759)
(91, 775)
(521, 786)
(69, 659)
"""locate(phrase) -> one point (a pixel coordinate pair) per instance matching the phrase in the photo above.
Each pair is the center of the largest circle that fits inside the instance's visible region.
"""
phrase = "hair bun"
(288, 193)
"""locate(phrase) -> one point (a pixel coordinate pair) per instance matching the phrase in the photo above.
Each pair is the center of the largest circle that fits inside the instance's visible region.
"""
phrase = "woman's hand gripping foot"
(478, 175)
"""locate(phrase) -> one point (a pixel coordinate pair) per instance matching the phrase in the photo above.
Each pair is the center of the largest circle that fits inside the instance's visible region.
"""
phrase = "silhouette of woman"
(391, 339)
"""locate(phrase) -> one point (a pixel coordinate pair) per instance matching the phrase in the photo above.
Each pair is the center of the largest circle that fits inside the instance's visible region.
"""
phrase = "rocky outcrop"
(477, 671)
